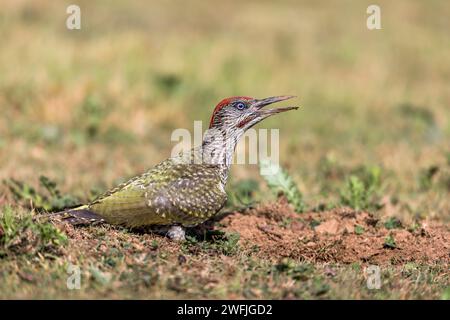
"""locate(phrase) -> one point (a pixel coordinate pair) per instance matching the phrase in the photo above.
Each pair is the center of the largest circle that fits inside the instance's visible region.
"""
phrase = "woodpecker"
(184, 190)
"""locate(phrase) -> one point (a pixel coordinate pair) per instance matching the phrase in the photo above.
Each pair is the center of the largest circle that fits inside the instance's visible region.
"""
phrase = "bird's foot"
(176, 233)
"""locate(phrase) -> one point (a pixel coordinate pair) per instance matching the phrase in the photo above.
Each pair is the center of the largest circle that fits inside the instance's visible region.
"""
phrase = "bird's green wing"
(124, 203)
(197, 193)
(169, 193)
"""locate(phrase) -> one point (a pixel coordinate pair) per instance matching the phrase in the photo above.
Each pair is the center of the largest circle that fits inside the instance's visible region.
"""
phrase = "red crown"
(224, 103)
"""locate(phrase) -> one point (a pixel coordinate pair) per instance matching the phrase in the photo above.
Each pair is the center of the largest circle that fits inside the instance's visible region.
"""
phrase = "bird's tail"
(77, 216)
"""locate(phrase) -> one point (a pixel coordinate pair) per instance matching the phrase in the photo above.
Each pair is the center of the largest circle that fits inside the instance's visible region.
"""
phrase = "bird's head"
(241, 113)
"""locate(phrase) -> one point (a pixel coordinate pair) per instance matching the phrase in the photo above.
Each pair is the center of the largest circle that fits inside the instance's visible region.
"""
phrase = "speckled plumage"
(170, 193)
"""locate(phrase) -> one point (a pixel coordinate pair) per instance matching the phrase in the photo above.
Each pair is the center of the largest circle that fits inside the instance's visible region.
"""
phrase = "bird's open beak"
(258, 113)
(259, 104)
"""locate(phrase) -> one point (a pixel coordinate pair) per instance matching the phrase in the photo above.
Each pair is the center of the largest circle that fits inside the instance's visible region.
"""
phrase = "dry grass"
(89, 108)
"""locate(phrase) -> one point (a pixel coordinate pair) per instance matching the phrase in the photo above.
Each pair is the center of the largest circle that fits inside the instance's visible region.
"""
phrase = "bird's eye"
(240, 106)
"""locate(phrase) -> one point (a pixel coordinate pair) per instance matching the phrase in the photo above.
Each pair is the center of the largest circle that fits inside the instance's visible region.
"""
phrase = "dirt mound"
(340, 236)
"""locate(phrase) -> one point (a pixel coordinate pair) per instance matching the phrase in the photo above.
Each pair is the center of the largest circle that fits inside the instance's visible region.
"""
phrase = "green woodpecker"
(185, 190)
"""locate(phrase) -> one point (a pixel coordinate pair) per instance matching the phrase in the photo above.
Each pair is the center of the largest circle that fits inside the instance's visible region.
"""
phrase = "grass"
(280, 182)
(84, 110)
(21, 234)
(155, 272)
(356, 194)
(389, 242)
(51, 200)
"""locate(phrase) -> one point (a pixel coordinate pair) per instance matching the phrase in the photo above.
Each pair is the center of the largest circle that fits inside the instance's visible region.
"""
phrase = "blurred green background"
(91, 107)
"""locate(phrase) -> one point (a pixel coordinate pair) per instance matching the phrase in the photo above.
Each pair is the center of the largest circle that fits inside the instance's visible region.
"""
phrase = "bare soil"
(329, 236)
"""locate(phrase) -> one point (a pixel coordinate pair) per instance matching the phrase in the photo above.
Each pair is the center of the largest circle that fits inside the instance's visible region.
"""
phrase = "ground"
(366, 155)
(269, 252)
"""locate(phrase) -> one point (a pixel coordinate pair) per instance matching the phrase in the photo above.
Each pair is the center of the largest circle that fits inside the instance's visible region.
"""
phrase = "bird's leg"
(173, 232)
(176, 233)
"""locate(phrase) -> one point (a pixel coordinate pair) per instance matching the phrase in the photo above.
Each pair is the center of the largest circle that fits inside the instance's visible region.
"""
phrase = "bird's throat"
(217, 149)
(218, 146)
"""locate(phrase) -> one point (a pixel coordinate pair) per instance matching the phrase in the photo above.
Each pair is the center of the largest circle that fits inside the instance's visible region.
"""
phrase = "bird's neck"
(217, 149)
(218, 146)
